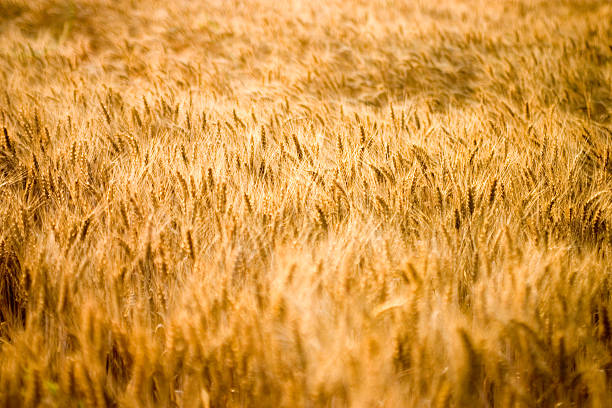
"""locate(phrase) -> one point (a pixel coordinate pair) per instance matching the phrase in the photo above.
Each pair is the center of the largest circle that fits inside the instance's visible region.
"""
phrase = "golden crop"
(383, 203)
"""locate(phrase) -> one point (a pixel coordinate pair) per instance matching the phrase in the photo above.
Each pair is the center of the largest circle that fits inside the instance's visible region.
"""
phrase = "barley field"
(231, 203)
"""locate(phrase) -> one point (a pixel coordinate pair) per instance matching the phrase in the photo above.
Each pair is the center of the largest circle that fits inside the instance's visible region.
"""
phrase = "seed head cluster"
(384, 203)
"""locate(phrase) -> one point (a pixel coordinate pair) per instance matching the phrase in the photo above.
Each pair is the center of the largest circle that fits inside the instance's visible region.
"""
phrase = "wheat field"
(383, 203)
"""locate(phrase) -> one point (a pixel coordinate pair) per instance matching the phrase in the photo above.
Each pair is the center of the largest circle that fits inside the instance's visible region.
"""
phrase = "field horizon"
(306, 204)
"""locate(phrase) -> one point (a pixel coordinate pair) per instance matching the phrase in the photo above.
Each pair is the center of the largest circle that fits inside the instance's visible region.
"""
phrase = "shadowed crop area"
(383, 203)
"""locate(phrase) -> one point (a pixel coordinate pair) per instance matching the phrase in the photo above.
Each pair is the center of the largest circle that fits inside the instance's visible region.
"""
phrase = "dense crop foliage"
(303, 203)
